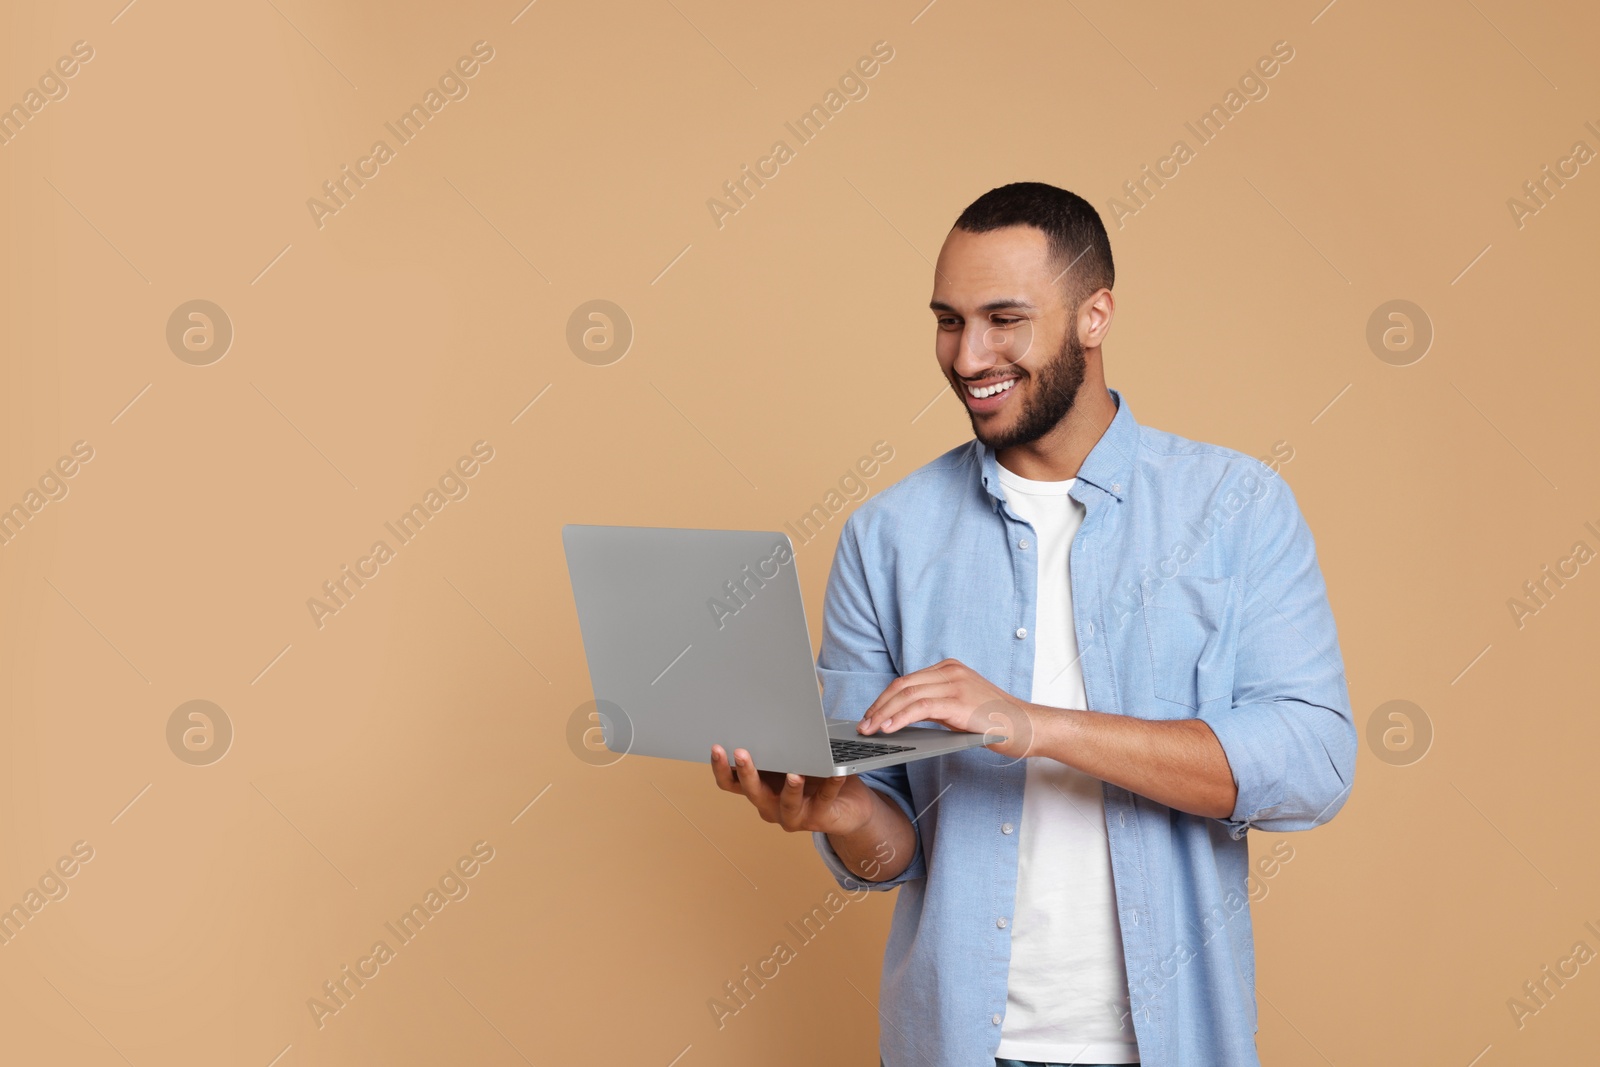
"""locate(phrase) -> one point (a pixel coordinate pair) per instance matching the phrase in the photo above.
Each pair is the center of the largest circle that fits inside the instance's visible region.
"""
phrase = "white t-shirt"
(1067, 994)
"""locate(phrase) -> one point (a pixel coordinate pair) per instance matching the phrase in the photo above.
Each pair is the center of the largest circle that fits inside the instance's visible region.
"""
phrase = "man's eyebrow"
(993, 305)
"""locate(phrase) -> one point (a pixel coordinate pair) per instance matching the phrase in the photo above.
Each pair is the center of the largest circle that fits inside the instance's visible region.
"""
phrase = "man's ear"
(1094, 318)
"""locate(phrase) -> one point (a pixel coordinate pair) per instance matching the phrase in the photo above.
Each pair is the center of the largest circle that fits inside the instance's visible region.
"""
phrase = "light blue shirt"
(1196, 594)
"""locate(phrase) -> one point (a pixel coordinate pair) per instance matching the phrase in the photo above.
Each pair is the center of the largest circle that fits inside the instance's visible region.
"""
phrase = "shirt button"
(1023, 544)
(1089, 629)
(1001, 922)
(995, 1019)
(1006, 828)
(1116, 487)
(1022, 632)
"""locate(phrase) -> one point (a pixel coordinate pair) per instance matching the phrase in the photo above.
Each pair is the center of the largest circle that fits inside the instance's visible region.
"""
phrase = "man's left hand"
(954, 695)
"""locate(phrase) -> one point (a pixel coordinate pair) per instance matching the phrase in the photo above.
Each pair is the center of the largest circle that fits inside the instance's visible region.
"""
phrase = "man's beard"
(1056, 386)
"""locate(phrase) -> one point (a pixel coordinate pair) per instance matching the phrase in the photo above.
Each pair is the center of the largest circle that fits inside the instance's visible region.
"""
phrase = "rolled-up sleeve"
(1288, 732)
(854, 667)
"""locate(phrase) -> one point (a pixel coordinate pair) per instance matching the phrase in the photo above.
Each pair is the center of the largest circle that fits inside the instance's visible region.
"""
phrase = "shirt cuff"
(917, 868)
(1256, 757)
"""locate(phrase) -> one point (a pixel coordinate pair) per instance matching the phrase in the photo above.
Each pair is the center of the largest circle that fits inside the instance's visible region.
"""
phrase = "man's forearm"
(881, 849)
(1176, 762)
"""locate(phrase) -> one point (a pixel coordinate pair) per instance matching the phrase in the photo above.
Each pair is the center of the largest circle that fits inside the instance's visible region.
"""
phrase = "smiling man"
(1141, 616)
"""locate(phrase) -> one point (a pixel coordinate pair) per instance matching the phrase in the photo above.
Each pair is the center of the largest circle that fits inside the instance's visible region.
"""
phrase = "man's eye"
(1002, 321)
(949, 324)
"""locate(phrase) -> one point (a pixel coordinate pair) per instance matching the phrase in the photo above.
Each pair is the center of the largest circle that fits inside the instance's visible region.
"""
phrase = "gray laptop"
(696, 637)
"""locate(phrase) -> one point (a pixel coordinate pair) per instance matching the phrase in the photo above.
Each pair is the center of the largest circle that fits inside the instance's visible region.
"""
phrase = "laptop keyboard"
(851, 751)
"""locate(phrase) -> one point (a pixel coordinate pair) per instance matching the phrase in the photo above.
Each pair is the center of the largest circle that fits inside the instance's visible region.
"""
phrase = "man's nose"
(985, 346)
(977, 354)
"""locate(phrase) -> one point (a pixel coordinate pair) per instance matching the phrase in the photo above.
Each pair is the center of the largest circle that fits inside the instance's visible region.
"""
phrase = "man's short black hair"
(1078, 242)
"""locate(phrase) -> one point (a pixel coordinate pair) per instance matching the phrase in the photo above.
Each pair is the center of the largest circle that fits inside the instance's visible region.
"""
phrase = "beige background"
(768, 355)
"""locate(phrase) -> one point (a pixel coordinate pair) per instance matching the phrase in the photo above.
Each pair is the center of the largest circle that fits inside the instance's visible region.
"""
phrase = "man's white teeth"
(979, 394)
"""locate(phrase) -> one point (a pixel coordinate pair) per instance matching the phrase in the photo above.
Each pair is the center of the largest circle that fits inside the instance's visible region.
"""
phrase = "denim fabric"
(1196, 594)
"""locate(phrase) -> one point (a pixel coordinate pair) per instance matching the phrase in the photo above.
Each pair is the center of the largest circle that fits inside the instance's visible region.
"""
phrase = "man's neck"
(1059, 454)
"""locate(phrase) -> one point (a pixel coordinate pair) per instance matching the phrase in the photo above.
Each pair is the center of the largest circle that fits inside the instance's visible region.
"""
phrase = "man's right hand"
(842, 805)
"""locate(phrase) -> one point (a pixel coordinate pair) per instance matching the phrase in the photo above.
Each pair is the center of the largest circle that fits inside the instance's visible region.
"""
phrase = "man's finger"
(900, 684)
(752, 786)
(888, 691)
(721, 771)
(829, 790)
(882, 708)
(923, 709)
(792, 802)
(898, 707)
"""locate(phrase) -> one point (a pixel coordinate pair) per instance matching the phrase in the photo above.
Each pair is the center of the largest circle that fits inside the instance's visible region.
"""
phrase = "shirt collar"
(1108, 466)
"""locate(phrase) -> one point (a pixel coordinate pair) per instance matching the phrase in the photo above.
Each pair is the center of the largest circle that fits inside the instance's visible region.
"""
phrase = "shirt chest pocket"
(1191, 631)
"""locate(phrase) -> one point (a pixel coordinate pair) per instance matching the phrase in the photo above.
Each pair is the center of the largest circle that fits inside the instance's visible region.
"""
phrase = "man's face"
(1006, 332)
